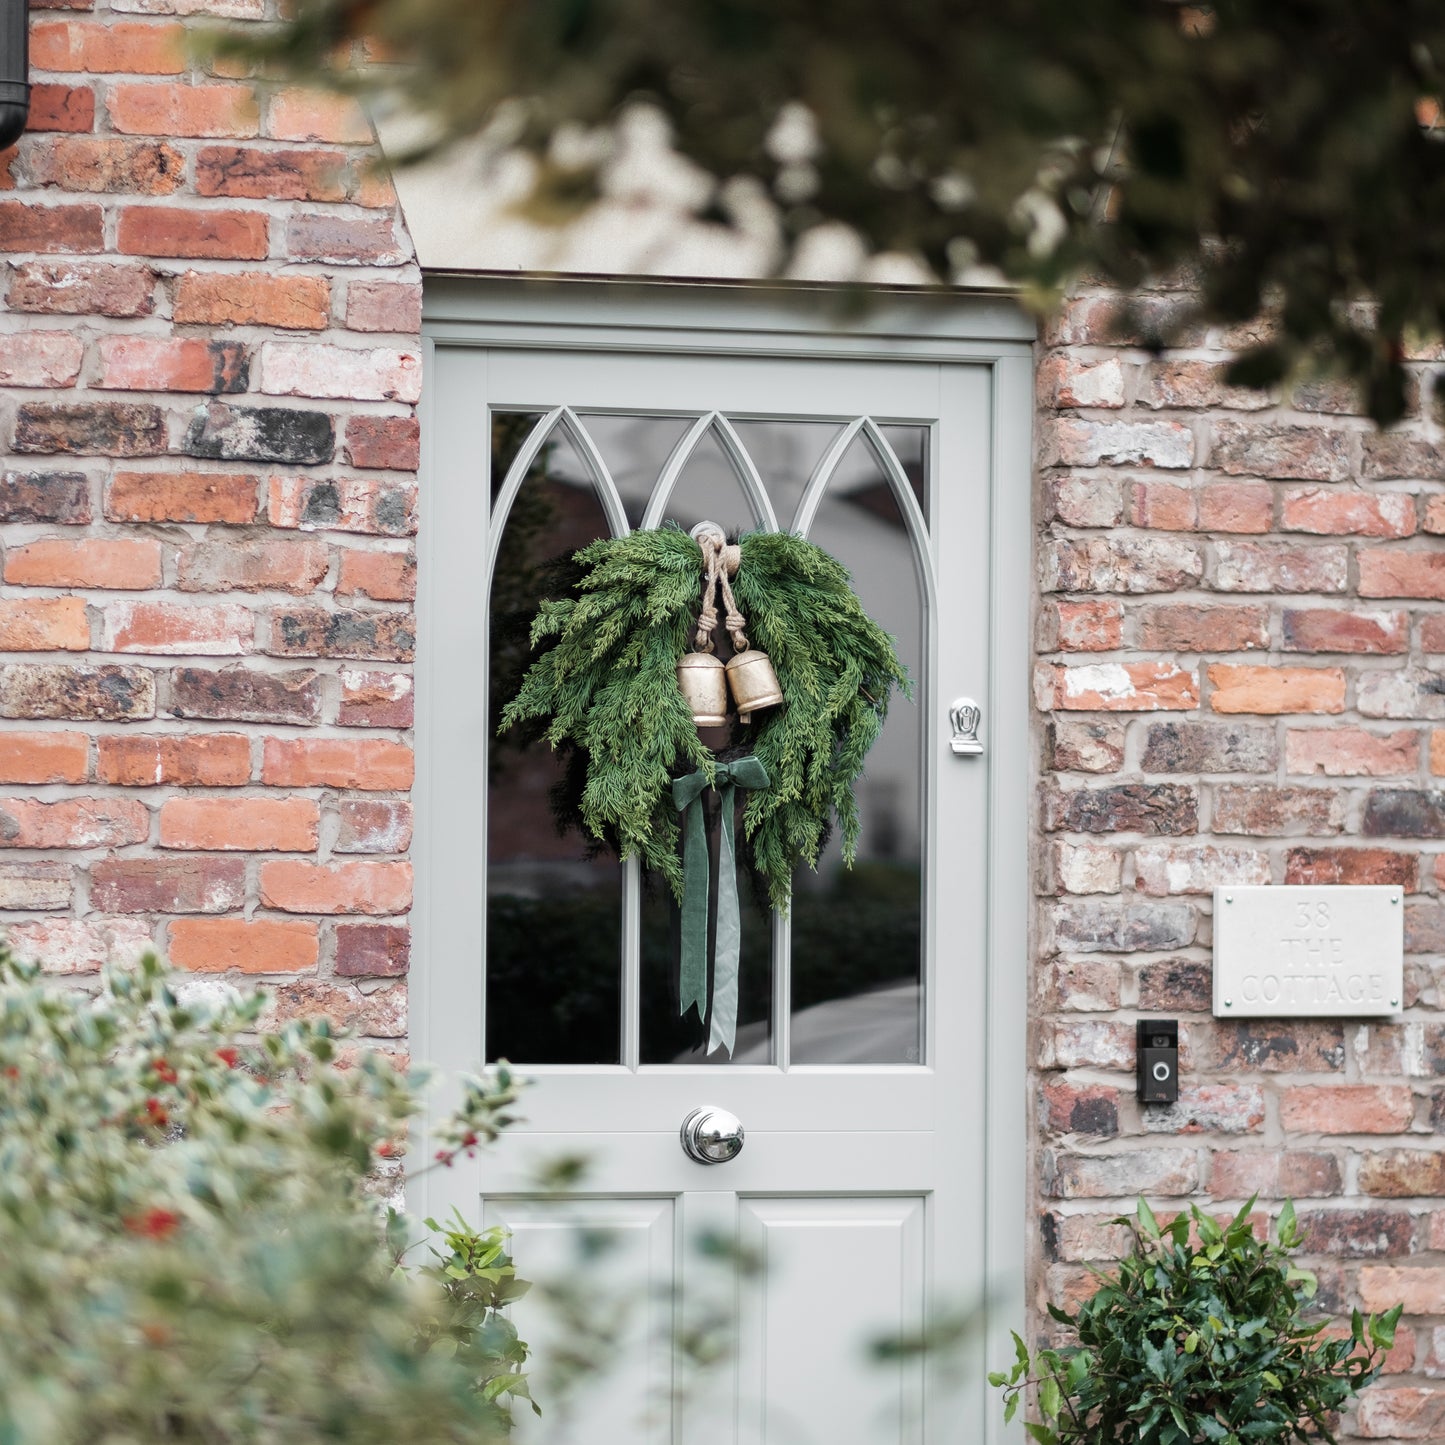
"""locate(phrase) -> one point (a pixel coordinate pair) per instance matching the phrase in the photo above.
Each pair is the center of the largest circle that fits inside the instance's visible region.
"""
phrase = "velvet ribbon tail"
(687, 793)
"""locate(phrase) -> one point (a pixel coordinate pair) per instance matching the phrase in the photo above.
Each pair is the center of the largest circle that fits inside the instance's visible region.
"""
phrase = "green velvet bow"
(692, 977)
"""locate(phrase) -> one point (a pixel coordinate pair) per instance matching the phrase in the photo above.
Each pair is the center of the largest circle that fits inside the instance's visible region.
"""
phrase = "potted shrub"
(1199, 1337)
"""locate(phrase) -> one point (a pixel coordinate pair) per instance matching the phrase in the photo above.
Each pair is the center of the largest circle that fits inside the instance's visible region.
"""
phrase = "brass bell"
(753, 682)
(701, 678)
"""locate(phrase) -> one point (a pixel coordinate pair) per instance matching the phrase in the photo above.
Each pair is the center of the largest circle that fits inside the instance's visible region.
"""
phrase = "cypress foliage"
(606, 678)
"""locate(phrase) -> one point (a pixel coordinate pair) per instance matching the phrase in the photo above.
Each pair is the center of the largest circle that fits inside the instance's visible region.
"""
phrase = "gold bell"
(753, 682)
(701, 679)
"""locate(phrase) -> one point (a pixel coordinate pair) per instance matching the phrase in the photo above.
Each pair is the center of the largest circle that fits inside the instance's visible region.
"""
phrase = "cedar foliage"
(607, 681)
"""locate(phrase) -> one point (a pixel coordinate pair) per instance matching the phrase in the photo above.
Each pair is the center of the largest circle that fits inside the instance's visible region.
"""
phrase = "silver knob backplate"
(711, 1135)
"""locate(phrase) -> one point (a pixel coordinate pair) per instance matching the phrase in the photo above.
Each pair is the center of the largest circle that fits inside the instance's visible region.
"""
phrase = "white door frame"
(981, 328)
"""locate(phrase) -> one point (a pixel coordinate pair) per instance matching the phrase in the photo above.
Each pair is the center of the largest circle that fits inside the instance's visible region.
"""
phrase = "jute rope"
(720, 562)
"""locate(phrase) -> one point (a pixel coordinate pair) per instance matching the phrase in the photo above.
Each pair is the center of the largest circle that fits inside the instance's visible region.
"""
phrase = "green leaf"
(1148, 1224)
(1049, 1398)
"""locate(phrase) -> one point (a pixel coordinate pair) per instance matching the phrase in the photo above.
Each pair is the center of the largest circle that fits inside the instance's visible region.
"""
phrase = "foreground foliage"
(191, 1243)
(1196, 1340)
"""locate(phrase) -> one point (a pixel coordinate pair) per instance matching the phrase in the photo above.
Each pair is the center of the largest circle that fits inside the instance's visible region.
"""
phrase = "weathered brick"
(383, 443)
(274, 175)
(343, 241)
(1361, 514)
(1356, 1233)
(364, 764)
(220, 109)
(82, 692)
(315, 632)
(256, 566)
(1294, 1174)
(1276, 689)
(1289, 1046)
(1169, 1172)
(343, 504)
(235, 945)
(1236, 507)
(375, 700)
(222, 432)
(227, 9)
(1153, 808)
(373, 825)
(1437, 752)
(56, 106)
(1196, 867)
(1116, 687)
(383, 306)
(43, 624)
(40, 358)
(1120, 564)
(1080, 985)
(118, 562)
(1278, 567)
(1084, 501)
(1407, 693)
(1388, 573)
(1087, 1044)
(91, 428)
(1196, 384)
(1330, 395)
(1179, 984)
(62, 497)
(238, 694)
(1395, 456)
(164, 629)
(1276, 812)
(1434, 522)
(108, 165)
(1113, 925)
(35, 886)
(252, 298)
(382, 576)
(298, 368)
(1072, 443)
(1083, 1237)
(71, 945)
(180, 231)
(24, 226)
(373, 888)
(43, 757)
(1324, 629)
(1070, 1108)
(1210, 1109)
(1082, 868)
(285, 825)
(1257, 449)
(1347, 1109)
(1404, 813)
(1401, 1412)
(1207, 747)
(181, 497)
(73, 823)
(168, 885)
(1163, 506)
(1351, 866)
(1112, 321)
(195, 760)
(372, 950)
(157, 363)
(380, 1013)
(1194, 627)
(82, 288)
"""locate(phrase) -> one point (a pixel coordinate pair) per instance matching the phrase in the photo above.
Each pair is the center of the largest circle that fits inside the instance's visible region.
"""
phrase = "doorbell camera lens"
(1162, 1071)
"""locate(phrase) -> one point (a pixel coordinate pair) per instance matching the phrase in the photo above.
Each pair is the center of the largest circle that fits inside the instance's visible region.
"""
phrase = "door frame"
(981, 328)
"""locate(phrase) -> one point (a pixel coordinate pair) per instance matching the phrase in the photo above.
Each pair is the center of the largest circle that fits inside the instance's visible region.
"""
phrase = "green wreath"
(607, 682)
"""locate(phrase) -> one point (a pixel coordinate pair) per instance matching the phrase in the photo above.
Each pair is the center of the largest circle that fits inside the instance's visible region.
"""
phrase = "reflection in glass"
(553, 902)
(857, 936)
(709, 490)
(510, 430)
(786, 453)
(910, 446)
(634, 449)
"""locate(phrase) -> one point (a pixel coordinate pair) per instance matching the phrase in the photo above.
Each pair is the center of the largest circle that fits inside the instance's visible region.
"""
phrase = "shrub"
(193, 1242)
(1197, 1339)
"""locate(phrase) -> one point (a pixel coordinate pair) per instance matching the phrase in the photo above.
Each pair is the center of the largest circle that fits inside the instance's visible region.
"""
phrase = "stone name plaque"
(1327, 952)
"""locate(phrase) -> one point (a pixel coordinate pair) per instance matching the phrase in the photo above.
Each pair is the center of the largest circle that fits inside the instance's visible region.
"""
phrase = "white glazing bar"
(752, 483)
(823, 474)
(783, 990)
(679, 457)
(516, 475)
(606, 488)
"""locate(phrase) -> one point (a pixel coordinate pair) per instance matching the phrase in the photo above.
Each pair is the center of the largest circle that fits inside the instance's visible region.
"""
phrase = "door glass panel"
(510, 429)
(635, 449)
(554, 902)
(857, 936)
(910, 446)
(786, 453)
(709, 490)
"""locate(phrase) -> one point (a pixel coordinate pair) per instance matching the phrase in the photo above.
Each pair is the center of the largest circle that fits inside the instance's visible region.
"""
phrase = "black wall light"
(14, 70)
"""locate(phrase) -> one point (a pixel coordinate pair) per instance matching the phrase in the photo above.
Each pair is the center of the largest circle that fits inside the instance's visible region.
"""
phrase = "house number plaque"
(1326, 952)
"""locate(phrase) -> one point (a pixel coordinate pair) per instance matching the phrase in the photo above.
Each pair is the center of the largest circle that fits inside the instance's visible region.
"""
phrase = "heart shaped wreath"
(606, 680)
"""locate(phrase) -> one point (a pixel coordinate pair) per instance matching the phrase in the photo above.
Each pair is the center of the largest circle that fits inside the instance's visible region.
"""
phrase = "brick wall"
(208, 360)
(1239, 679)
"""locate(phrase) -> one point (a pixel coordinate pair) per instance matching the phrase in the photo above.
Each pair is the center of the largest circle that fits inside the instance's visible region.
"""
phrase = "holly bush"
(1200, 1335)
(195, 1244)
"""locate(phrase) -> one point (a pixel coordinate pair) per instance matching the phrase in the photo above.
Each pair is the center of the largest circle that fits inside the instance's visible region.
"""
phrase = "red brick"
(1276, 689)
(1275, 567)
(24, 226)
(1347, 1109)
(344, 241)
(252, 298)
(1190, 627)
(71, 946)
(181, 497)
(168, 885)
(82, 288)
(95, 562)
(239, 694)
(378, 373)
(1324, 629)
(369, 764)
(268, 566)
(1402, 1412)
(312, 115)
(1396, 456)
(343, 504)
(1120, 564)
(1401, 1173)
(1236, 507)
(1085, 745)
(1390, 573)
(196, 760)
(372, 950)
(59, 107)
(1196, 384)
(1437, 752)
(108, 429)
(62, 497)
(1071, 443)
(1116, 687)
(178, 231)
(1352, 866)
(84, 692)
(1268, 811)
(1311, 454)
(383, 306)
(73, 823)
(226, 945)
(375, 700)
(43, 624)
(1073, 1108)
(380, 1013)
(86, 163)
(366, 636)
(391, 577)
(1292, 1175)
(43, 757)
(1434, 515)
(373, 825)
(373, 888)
(1162, 506)
(163, 629)
(1421, 1288)
(285, 825)
(156, 363)
(182, 110)
(1351, 752)
(1432, 633)
(40, 358)
(1358, 1234)
(35, 886)
(1171, 1172)
(1362, 514)
(116, 46)
(1212, 1109)
(372, 186)
(270, 175)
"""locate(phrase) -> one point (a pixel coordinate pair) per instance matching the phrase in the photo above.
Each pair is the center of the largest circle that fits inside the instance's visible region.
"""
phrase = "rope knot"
(720, 562)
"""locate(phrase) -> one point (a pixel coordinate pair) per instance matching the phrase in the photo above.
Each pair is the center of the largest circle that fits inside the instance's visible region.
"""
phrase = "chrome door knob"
(711, 1135)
